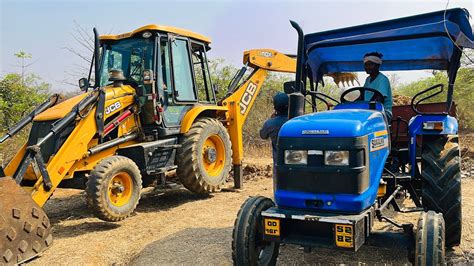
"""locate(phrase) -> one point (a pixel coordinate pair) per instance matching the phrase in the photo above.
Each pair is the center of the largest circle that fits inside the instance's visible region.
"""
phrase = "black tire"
(110, 205)
(441, 187)
(248, 248)
(191, 161)
(430, 245)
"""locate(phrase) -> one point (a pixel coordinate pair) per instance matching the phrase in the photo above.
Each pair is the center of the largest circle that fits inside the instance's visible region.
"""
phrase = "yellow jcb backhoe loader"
(152, 109)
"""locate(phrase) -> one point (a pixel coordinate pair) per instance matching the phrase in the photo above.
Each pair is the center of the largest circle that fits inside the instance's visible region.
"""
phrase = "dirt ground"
(178, 227)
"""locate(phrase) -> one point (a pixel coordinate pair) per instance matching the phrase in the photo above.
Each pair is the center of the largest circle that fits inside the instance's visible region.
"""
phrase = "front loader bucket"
(25, 230)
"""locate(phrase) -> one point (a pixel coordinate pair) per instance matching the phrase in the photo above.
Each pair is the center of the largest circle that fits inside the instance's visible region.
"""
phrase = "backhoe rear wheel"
(441, 187)
(204, 159)
(429, 241)
(114, 187)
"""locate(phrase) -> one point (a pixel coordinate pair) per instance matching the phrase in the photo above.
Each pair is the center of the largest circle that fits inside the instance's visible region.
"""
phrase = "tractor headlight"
(296, 157)
(336, 157)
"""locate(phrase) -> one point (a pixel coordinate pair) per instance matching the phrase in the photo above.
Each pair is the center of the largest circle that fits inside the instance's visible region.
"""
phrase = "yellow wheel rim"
(213, 155)
(120, 189)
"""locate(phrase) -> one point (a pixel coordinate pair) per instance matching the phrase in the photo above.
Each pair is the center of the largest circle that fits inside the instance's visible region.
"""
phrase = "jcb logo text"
(111, 108)
(247, 97)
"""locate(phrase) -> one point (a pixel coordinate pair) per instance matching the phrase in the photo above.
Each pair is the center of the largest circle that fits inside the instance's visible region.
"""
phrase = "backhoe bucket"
(25, 230)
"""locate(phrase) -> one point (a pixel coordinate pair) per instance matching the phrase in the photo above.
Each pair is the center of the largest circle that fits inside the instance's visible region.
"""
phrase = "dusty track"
(177, 227)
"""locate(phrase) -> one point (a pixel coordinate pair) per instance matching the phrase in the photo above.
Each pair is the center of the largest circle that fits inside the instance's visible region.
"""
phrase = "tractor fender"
(198, 111)
(415, 128)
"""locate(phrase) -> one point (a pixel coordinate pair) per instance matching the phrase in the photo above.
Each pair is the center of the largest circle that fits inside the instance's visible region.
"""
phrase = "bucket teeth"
(25, 230)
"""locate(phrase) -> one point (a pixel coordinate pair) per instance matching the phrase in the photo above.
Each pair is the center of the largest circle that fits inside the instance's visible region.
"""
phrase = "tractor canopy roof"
(426, 41)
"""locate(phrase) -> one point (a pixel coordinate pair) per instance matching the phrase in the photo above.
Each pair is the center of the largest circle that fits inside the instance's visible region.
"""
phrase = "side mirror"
(147, 76)
(215, 87)
(289, 87)
(83, 84)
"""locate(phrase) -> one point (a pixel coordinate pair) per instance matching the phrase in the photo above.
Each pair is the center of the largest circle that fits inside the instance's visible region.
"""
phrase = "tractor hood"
(334, 123)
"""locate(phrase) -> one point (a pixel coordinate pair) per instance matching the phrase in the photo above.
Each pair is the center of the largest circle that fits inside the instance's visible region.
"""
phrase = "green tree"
(21, 55)
(18, 97)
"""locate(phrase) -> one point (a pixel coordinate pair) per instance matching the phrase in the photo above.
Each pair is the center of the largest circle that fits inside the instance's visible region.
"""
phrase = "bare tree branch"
(77, 54)
(83, 43)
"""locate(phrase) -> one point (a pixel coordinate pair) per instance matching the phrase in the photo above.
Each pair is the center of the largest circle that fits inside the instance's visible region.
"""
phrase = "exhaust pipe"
(96, 58)
(296, 101)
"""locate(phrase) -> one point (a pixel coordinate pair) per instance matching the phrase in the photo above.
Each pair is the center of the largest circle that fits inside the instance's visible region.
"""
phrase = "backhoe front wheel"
(248, 246)
(113, 188)
(205, 156)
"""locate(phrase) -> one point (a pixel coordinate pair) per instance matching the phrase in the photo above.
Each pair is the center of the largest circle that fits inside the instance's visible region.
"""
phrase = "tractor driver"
(378, 81)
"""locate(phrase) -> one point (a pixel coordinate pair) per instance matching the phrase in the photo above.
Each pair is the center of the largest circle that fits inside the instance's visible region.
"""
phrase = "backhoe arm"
(240, 101)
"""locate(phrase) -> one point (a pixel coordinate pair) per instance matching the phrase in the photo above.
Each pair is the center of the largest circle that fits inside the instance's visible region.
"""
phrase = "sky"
(45, 28)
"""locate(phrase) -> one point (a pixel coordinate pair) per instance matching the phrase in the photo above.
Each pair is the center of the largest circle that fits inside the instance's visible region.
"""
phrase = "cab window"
(201, 74)
(183, 79)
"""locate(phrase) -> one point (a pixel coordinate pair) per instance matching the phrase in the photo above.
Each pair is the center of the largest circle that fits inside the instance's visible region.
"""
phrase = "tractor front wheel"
(248, 247)
(114, 187)
(441, 187)
(205, 156)
(429, 242)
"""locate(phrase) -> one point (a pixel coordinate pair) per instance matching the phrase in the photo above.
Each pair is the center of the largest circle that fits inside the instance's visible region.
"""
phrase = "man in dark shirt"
(272, 126)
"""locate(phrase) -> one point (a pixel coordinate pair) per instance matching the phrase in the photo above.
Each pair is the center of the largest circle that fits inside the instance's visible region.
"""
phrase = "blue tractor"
(338, 170)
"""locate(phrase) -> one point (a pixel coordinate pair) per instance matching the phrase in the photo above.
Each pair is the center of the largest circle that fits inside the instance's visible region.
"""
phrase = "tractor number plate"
(272, 227)
(344, 236)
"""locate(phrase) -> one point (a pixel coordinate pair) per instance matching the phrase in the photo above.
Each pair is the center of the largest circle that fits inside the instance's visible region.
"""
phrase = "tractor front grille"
(315, 177)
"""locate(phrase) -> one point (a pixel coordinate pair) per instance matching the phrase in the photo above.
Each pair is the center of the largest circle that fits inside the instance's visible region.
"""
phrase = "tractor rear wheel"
(205, 156)
(429, 241)
(441, 187)
(248, 247)
(113, 189)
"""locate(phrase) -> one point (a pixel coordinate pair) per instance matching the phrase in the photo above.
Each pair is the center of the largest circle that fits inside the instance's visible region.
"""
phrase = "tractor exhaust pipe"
(296, 101)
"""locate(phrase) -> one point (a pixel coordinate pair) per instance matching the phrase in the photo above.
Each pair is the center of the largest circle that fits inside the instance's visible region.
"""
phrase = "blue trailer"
(338, 170)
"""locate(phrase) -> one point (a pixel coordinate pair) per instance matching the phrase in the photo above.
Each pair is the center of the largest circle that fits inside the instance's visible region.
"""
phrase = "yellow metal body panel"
(88, 163)
(192, 114)
(11, 167)
(72, 150)
(270, 60)
(239, 105)
(151, 27)
(60, 110)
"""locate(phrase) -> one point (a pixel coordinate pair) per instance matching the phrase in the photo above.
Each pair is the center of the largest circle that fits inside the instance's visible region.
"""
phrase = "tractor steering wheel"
(376, 97)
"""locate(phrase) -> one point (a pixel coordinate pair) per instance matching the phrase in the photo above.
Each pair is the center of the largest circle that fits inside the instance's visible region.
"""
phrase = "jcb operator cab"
(167, 67)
